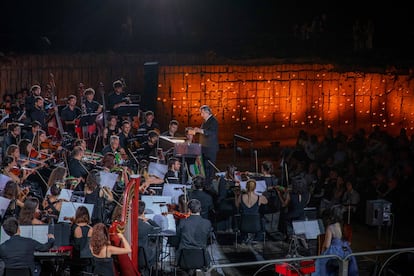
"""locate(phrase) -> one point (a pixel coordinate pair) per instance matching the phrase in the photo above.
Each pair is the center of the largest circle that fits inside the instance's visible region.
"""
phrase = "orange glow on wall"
(269, 103)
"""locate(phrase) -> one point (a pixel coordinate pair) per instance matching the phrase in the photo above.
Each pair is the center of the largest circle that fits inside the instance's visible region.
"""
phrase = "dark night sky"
(187, 25)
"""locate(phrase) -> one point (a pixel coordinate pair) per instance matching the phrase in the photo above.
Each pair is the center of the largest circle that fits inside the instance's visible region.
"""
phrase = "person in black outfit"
(208, 140)
(18, 251)
(125, 134)
(29, 135)
(38, 113)
(148, 148)
(117, 98)
(76, 168)
(80, 234)
(173, 175)
(172, 129)
(194, 231)
(12, 137)
(29, 102)
(146, 227)
(206, 199)
(149, 123)
(113, 145)
(69, 114)
(90, 105)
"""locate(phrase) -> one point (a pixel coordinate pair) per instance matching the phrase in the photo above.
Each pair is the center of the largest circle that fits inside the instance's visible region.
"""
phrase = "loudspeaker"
(149, 98)
(378, 212)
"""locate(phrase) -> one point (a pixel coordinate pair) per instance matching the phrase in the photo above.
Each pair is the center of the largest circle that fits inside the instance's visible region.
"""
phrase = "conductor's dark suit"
(209, 140)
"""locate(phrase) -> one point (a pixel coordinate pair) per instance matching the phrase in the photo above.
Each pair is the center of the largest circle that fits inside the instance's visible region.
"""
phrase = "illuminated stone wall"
(270, 103)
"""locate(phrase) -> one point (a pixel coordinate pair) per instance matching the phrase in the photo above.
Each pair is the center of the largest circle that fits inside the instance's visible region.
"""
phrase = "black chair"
(191, 259)
(25, 271)
(143, 266)
(251, 225)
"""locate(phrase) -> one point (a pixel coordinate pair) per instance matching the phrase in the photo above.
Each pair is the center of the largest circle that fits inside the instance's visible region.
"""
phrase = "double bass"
(126, 265)
(55, 107)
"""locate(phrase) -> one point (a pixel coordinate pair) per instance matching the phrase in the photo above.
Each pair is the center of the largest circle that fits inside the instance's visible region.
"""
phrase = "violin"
(16, 171)
(50, 145)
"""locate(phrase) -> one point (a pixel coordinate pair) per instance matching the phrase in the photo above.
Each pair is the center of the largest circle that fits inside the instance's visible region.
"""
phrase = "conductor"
(208, 140)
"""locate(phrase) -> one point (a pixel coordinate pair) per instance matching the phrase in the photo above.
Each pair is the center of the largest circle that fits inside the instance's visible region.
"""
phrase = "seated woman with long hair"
(12, 191)
(102, 250)
(30, 213)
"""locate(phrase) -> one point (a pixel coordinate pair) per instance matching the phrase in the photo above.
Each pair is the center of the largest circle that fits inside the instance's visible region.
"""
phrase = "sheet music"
(3, 181)
(108, 179)
(260, 186)
(65, 194)
(174, 191)
(308, 227)
(4, 204)
(68, 210)
(36, 232)
(156, 204)
(166, 222)
(159, 170)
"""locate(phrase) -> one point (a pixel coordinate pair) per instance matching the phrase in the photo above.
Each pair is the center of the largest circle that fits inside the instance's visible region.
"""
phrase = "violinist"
(30, 214)
(69, 115)
(29, 135)
(12, 191)
(57, 175)
(12, 170)
(28, 153)
(76, 167)
(99, 196)
(12, 136)
(52, 204)
(45, 145)
(14, 151)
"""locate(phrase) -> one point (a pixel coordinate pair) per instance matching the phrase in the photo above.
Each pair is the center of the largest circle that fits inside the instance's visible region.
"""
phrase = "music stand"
(88, 119)
(127, 110)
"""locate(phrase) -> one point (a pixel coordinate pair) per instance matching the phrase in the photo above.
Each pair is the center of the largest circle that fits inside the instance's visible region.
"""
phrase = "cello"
(101, 120)
(126, 265)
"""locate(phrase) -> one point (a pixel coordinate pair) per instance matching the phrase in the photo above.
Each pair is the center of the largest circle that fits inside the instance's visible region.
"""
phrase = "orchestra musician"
(148, 148)
(57, 175)
(146, 227)
(125, 134)
(113, 145)
(12, 136)
(149, 123)
(97, 195)
(81, 232)
(91, 107)
(38, 113)
(30, 214)
(102, 250)
(173, 175)
(111, 129)
(117, 98)
(35, 91)
(172, 129)
(12, 170)
(70, 113)
(52, 204)
(76, 168)
(36, 126)
(13, 192)
(18, 251)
